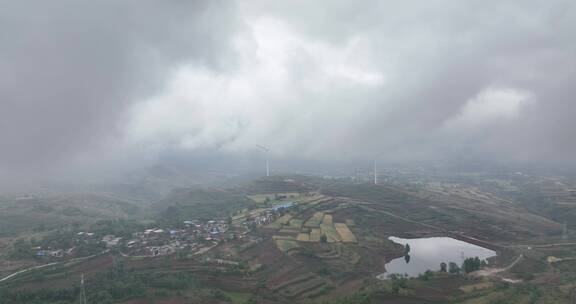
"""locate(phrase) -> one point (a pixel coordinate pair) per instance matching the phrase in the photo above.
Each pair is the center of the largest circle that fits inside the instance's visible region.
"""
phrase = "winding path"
(50, 264)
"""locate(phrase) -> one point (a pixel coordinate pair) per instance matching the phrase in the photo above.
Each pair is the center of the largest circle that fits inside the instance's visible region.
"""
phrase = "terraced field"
(317, 225)
(327, 219)
(305, 286)
(289, 230)
(286, 244)
(303, 237)
(296, 222)
(345, 234)
(280, 222)
(315, 220)
(315, 235)
(330, 232)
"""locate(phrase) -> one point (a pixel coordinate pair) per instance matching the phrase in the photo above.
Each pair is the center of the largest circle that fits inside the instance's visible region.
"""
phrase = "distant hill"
(275, 184)
(198, 203)
(46, 212)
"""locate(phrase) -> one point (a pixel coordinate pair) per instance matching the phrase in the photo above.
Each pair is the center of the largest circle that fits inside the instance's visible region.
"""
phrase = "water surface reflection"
(429, 253)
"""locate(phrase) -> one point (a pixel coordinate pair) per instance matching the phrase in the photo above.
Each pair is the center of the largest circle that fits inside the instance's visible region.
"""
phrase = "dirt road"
(50, 264)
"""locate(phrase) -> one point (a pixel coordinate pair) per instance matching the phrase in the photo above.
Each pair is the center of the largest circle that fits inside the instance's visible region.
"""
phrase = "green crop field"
(286, 244)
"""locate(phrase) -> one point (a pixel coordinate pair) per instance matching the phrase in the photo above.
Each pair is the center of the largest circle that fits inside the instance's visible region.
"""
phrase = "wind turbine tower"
(267, 160)
(376, 168)
(375, 173)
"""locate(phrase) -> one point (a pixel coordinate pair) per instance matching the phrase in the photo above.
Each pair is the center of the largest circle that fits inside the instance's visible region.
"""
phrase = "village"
(192, 237)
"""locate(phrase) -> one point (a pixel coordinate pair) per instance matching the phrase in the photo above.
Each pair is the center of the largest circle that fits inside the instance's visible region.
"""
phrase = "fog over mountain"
(104, 83)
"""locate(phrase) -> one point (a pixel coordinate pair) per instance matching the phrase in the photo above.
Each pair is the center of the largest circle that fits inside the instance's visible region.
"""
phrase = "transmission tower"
(83, 299)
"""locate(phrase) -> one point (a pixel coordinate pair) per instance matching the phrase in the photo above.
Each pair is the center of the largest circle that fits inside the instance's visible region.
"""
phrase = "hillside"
(276, 185)
(197, 203)
(44, 212)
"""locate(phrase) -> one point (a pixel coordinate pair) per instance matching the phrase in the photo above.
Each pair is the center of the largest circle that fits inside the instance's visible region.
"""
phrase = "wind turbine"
(375, 173)
(376, 168)
(267, 161)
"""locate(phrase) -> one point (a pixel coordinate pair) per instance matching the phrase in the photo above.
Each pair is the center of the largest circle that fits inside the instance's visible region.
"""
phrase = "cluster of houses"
(194, 236)
(265, 216)
(56, 253)
(197, 236)
(257, 218)
(43, 252)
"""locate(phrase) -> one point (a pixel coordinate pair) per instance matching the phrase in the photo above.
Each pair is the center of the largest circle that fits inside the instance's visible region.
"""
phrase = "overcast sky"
(86, 81)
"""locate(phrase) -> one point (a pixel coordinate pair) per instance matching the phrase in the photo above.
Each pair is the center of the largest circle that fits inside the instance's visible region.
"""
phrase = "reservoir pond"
(429, 253)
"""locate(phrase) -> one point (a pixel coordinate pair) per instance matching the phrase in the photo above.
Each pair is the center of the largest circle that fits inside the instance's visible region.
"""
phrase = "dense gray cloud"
(412, 80)
(333, 79)
(69, 69)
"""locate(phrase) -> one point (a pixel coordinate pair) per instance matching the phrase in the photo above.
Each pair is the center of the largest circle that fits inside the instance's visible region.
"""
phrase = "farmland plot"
(315, 220)
(345, 234)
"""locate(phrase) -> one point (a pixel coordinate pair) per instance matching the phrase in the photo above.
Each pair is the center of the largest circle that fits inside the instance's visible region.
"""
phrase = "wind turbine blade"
(263, 148)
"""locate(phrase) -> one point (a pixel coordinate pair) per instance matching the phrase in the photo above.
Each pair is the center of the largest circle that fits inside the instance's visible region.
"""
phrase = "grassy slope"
(47, 212)
(185, 204)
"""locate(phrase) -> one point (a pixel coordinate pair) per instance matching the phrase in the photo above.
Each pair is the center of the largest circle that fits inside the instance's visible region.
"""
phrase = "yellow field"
(345, 234)
(303, 237)
(327, 219)
(315, 220)
(315, 234)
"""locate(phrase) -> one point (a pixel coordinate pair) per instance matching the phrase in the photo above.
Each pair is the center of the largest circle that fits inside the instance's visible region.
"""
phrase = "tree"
(101, 297)
(443, 267)
(219, 295)
(323, 238)
(426, 275)
(406, 253)
(453, 268)
(471, 264)
(398, 283)
(251, 300)
(21, 249)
